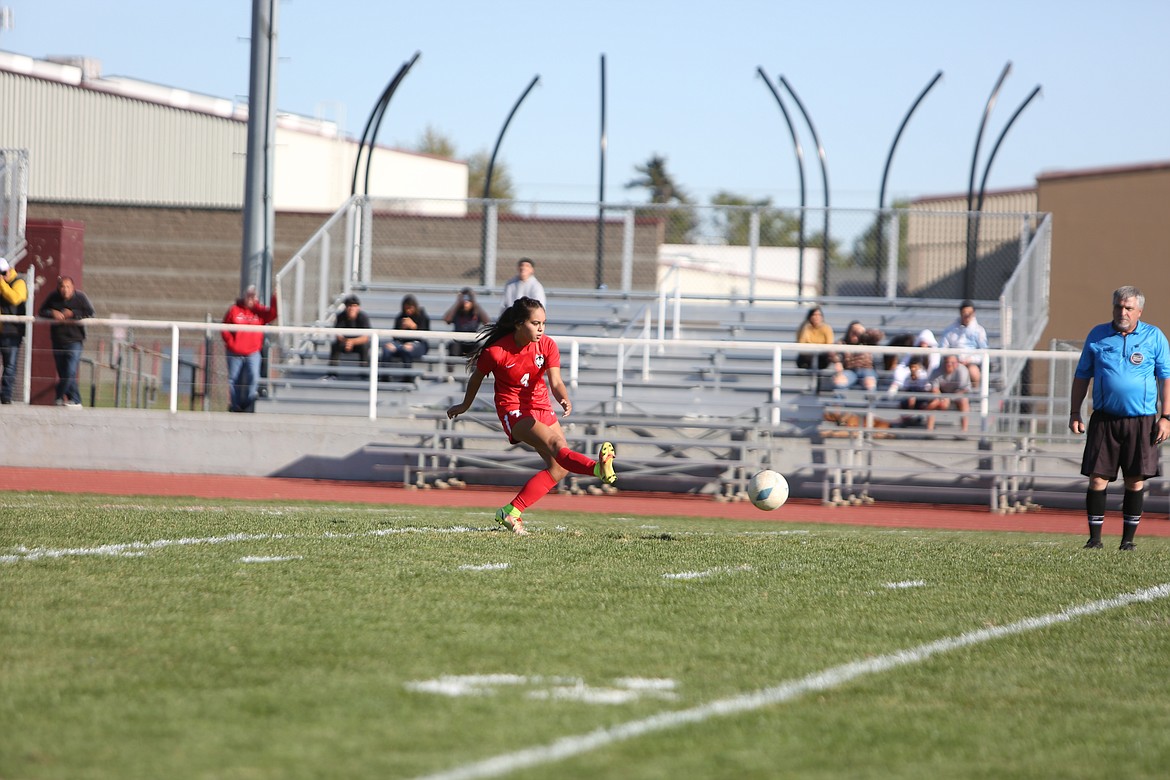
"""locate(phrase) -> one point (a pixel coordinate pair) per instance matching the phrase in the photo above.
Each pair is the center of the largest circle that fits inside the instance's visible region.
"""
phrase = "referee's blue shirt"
(1125, 368)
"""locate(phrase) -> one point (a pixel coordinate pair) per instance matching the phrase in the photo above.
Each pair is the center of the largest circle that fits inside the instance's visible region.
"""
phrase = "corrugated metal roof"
(121, 141)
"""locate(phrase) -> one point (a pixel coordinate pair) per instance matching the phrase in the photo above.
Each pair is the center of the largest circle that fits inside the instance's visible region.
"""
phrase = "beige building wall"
(936, 241)
(1110, 227)
(120, 141)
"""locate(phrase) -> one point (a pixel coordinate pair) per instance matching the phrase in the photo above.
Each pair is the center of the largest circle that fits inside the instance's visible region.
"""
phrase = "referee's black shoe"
(1094, 544)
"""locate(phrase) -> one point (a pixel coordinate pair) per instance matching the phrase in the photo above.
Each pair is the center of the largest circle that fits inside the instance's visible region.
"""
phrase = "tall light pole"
(800, 170)
(969, 277)
(259, 213)
(824, 181)
(969, 267)
(374, 123)
(487, 182)
(600, 274)
(885, 176)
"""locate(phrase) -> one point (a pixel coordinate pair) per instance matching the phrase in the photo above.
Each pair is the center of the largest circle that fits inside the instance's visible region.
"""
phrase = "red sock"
(575, 462)
(534, 490)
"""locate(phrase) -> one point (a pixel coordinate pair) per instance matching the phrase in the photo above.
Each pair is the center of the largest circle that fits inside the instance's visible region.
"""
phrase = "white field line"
(139, 548)
(906, 584)
(565, 747)
(622, 691)
(136, 549)
(697, 575)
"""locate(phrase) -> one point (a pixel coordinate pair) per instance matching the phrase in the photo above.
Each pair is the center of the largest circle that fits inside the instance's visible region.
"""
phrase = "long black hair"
(520, 310)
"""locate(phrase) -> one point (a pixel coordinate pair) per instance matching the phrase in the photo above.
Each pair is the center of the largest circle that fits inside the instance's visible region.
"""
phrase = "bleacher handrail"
(571, 345)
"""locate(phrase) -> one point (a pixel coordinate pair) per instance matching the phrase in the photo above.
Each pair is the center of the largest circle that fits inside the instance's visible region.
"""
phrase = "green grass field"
(152, 638)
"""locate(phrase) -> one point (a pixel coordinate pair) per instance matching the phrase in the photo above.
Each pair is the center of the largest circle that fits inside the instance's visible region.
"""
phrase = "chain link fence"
(814, 253)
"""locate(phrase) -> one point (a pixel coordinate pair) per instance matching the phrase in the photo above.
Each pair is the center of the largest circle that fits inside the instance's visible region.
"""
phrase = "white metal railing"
(1054, 419)
(1023, 305)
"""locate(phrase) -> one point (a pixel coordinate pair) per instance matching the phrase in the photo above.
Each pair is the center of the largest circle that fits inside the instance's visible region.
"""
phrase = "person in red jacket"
(243, 349)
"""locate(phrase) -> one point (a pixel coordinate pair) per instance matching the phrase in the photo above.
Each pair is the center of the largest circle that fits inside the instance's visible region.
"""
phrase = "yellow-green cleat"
(508, 517)
(604, 468)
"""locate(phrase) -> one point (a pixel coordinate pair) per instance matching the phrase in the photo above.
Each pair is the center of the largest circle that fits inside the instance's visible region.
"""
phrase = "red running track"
(887, 514)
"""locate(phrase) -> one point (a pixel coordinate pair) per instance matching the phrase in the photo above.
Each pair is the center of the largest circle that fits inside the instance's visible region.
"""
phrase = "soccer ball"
(768, 490)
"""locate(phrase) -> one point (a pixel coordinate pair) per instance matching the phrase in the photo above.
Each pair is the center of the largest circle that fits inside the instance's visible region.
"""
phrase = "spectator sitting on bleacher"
(467, 316)
(407, 350)
(913, 389)
(950, 379)
(854, 368)
(925, 338)
(350, 318)
(814, 330)
(966, 333)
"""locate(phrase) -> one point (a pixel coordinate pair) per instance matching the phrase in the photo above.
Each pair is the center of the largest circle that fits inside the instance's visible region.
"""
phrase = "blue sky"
(681, 82)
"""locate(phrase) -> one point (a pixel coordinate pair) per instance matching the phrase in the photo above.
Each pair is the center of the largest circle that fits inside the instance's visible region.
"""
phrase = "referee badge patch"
(1137, 358)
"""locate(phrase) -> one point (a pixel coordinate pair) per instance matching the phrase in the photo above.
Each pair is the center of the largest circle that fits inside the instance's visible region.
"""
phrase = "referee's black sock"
(1131, 513)
(1095, 508)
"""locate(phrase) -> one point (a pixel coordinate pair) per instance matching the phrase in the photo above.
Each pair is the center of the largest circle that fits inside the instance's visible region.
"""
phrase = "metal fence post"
(174, 368)
(628, 251)
(367, 224)
(892, 256)
(491, 238)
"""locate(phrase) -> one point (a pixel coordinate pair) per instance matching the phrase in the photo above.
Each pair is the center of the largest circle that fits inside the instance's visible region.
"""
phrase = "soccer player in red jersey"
(516, 352)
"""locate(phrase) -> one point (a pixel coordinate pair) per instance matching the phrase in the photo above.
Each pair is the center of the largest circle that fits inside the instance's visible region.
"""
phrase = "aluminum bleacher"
(699, 412)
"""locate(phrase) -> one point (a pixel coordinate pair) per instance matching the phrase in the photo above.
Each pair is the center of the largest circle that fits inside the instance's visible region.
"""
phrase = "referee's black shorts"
(1126, 443)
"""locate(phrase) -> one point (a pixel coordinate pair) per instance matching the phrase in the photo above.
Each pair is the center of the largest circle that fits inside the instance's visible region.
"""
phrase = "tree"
(655, 178)
(502, 187)
(435, 143)
(681, 220)
(777, 227)
(866, 250)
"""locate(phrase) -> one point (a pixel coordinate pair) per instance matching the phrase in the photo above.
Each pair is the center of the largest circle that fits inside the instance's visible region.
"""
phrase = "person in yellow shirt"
(814, 330)
(13, 297)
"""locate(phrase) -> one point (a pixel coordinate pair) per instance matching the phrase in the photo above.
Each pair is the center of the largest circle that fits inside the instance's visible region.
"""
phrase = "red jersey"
(519, 372)
(245, 343)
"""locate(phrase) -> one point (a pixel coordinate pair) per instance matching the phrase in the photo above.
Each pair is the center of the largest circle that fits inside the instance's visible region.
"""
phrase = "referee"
(1128, 362)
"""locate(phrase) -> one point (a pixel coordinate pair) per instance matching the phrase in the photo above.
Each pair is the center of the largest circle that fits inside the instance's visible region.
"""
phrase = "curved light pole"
(370, 133)
(487, 180)
(600, 274)
(898, 136)
(886, 174)
(967, 281)
(824, 181)
(800, 170)
(991, 158)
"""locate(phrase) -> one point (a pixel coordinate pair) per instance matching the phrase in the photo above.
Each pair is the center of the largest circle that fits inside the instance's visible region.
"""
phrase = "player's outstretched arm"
(559, 391)
(473, 383)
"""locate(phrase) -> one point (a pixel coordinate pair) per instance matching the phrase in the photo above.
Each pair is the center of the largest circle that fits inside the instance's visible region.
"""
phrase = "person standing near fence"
(243, 349)
(13, 299)
(516, 351)
(1127, 361)
(523, 285)
(66, 306)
